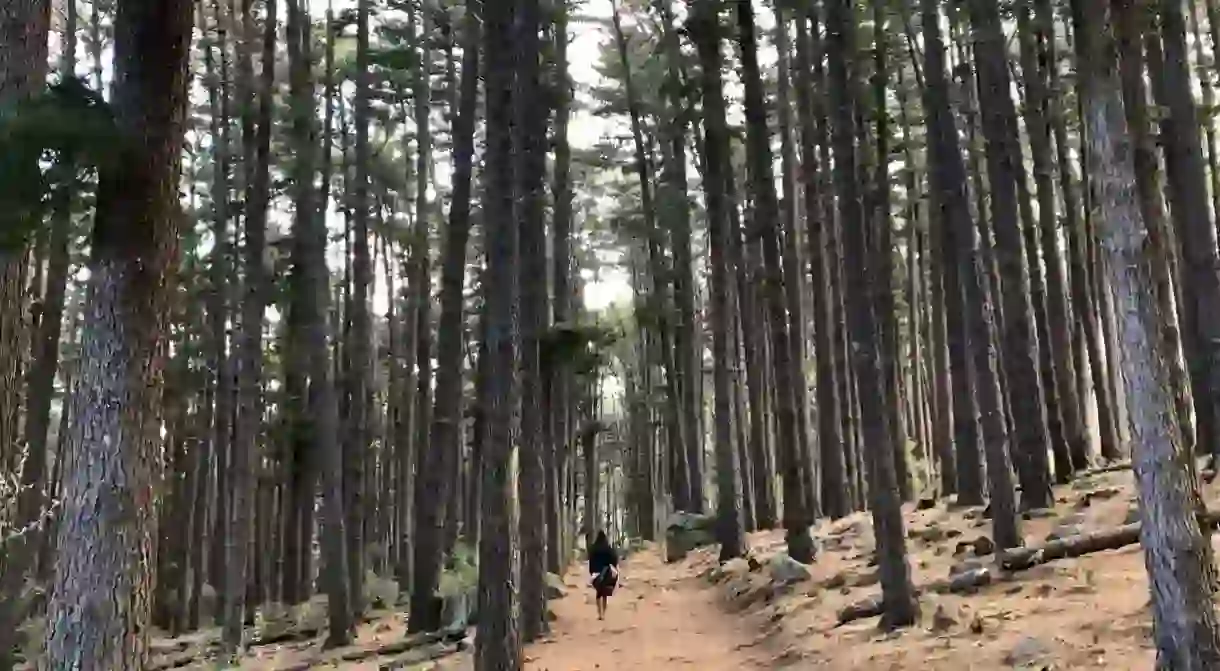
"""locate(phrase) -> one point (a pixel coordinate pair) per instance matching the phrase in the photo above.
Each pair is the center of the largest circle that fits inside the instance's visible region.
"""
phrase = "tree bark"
(98, 615)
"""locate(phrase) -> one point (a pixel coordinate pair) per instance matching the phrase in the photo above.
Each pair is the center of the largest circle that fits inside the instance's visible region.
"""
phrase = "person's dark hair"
(601, 542)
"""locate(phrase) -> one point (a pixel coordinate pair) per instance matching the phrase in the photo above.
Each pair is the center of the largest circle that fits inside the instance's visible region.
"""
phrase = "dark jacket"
(600, 558)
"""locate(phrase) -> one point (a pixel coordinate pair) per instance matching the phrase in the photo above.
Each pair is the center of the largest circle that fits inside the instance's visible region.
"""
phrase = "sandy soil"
(661, 617)
(1085, 613)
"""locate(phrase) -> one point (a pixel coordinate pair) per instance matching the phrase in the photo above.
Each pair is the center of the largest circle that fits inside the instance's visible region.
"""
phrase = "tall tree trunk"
(835, 501)
(1178, 554)
(1057, 308)
(359, 356)
(1194, 231)
(898, 592)
(498, 643)
(562, 383)
(24, 27)
(98, 615)
(676, 206)
(1019, 338)
(791, 448)
(446, 419)
(966, 293)
(250, 354)
(704, 26)
(530, 169)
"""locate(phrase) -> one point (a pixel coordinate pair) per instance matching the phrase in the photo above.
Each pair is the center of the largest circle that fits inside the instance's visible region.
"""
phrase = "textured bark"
(98, 615)
(420, 269)
(219, 301)
(358, 345)
(312, 280)
(23, 63)
(302, 463)
(1019, 337)
(960, 241)
(901, 607)
(1082, 298)
(790, 445)
(245, 455)
(883, 253)
(793, 280)
(1057, 308)
(562, 383)
(1196, 236)
(24, 25)
(675, 202)
(446, 419)
(530, 118)
(830, 430)
(1177, 553)
(498, 643)
(704, 25)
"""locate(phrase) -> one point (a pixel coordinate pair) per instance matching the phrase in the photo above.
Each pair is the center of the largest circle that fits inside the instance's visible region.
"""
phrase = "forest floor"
(1089, 612)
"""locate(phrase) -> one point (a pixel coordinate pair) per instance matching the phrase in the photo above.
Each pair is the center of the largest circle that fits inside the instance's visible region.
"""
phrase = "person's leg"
(601, 607)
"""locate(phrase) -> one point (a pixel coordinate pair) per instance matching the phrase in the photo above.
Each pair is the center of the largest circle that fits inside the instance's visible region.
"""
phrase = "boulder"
(686, 532)
(785, 570)
(458, 609)
(554, 587)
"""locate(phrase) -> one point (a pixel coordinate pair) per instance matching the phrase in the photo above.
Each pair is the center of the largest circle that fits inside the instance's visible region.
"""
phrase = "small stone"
(941, 620)
(1027, 651)
(554, 587)
(983, 546)
(785, 570)
(966, 566)
(976, 624)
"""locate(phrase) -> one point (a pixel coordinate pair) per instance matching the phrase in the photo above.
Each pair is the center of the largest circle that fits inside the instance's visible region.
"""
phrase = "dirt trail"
(661, 617)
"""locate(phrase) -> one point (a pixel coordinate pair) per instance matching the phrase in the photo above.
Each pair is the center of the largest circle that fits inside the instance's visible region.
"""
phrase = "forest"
(317, 315)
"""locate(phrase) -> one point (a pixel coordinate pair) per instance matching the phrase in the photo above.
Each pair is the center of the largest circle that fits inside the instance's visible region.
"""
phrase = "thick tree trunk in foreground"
(1177, 553)
(498, 644)
(98, 616)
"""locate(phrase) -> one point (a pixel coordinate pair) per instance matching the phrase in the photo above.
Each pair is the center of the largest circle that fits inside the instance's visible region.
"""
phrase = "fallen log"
(400, 646)
(1019, 559)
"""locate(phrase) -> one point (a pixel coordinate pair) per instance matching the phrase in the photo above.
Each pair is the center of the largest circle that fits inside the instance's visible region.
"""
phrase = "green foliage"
(46, 143)
(582, 348)
(461, 572)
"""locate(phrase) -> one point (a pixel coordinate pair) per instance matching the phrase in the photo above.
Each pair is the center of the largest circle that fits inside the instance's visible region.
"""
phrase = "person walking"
(603, 566)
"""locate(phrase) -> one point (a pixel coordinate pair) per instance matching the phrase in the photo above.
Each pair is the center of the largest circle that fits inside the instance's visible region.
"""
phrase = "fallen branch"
(1019, 559)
